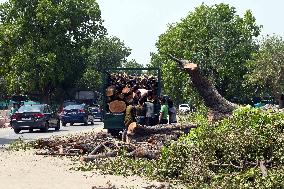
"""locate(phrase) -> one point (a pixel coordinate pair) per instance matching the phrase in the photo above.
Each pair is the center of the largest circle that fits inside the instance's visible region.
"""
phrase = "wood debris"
(143, 142)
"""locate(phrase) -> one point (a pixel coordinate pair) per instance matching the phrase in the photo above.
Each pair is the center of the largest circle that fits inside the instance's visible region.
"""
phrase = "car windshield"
(72, 107)
(31, 108)
(65, 104)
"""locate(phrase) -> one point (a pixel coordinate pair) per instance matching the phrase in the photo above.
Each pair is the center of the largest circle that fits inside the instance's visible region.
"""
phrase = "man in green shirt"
(164, 112)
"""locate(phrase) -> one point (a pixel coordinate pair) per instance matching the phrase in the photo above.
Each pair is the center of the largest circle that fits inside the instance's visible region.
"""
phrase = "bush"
(226, 154)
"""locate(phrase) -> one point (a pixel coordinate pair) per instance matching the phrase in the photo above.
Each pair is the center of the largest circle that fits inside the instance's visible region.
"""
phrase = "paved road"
(7, 135)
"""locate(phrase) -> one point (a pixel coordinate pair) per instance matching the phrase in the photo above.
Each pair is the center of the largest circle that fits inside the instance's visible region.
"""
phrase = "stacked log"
(122, 89)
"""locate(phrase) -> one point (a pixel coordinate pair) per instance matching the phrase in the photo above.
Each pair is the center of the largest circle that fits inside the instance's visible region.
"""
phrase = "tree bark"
(205, 88)
(160, 129)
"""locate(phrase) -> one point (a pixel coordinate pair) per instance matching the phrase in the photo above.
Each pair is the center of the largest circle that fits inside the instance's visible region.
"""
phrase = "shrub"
(226, 154)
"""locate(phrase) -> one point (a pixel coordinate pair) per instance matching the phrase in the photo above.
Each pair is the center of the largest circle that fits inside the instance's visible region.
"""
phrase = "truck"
(85, 96)
(114, 121)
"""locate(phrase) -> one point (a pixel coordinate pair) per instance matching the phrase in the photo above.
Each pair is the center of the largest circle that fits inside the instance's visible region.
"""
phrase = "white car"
(184, 108)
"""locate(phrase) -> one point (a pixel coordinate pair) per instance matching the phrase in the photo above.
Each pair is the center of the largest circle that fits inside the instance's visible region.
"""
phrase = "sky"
(138, 23)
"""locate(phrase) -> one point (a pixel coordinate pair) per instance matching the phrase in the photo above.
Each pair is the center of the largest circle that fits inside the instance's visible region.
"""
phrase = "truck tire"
(57, 126)
(86, 121)
(113, 132)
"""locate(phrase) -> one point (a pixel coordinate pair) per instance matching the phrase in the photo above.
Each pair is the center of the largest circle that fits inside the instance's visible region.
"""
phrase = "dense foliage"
(266, 69)
(214, 37)
(226, 154)
(43, 42)
(50, 47)
(107, 52)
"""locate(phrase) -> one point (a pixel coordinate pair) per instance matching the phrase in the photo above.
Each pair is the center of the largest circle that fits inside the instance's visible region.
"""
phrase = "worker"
(129, 118)
(140, 112)
(164, 112)
(149, 105)
(172, 112)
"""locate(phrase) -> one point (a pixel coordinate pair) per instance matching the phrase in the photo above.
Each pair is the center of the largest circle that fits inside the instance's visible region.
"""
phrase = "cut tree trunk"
(117, 106)
(134, 128)
(212, 98)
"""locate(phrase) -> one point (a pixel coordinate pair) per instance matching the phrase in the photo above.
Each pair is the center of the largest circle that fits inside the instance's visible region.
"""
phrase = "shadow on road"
(39, 131)
(5, 141)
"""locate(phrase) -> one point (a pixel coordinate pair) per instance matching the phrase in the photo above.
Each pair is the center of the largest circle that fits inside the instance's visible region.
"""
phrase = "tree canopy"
(266, 68)
(44, 42)
(217, 39)
(107, 52)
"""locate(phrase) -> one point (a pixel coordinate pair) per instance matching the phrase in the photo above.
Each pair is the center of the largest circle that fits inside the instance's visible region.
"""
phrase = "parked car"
(184, 108)
(96, 111)
(35, 116)
(78, 113)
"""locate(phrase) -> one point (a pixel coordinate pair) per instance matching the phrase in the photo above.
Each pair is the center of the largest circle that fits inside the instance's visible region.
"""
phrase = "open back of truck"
(114, 121)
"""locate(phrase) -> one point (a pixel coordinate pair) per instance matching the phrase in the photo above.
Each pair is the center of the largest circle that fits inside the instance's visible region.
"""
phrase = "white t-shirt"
(172, 114)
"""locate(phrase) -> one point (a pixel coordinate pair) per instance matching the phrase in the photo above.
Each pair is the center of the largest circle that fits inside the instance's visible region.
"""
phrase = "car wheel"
(93, 122)
(46, 126)
(86, 121)
(63, 123)
(57, 126)
(31, 130)
(113, 132)
(17, 131)
(71, 124)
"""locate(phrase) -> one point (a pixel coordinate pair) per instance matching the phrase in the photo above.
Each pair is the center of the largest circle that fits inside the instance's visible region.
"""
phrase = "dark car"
(67, 103)
(35, 116)
(76, 114)
(96, 111)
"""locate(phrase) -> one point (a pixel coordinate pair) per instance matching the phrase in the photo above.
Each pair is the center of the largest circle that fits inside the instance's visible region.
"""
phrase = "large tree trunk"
(205, 88)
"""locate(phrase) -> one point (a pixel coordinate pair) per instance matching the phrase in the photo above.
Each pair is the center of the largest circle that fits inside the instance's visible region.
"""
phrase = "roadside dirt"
(25, 170)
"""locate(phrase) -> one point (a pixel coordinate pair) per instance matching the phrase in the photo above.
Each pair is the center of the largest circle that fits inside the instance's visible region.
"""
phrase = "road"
(7, 135)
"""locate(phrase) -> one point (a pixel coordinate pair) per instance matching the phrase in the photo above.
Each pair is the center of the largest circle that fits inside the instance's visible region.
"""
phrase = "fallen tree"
(212, 98)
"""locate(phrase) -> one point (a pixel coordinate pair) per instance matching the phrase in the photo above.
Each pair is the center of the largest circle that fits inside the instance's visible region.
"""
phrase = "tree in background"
(266, 68)
(44, 43)
(133, 64)
(107, 52)
(215, 38)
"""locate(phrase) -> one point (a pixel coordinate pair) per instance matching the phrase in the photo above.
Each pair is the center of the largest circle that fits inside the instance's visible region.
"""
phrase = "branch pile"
(142, 142)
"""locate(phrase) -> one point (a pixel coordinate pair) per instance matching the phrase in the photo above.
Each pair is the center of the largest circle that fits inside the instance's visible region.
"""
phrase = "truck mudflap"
(114, 121)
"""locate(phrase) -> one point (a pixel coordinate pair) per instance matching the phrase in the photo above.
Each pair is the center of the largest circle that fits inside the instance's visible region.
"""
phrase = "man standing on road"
(149, 110)
(172, 112)
(164, 112)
